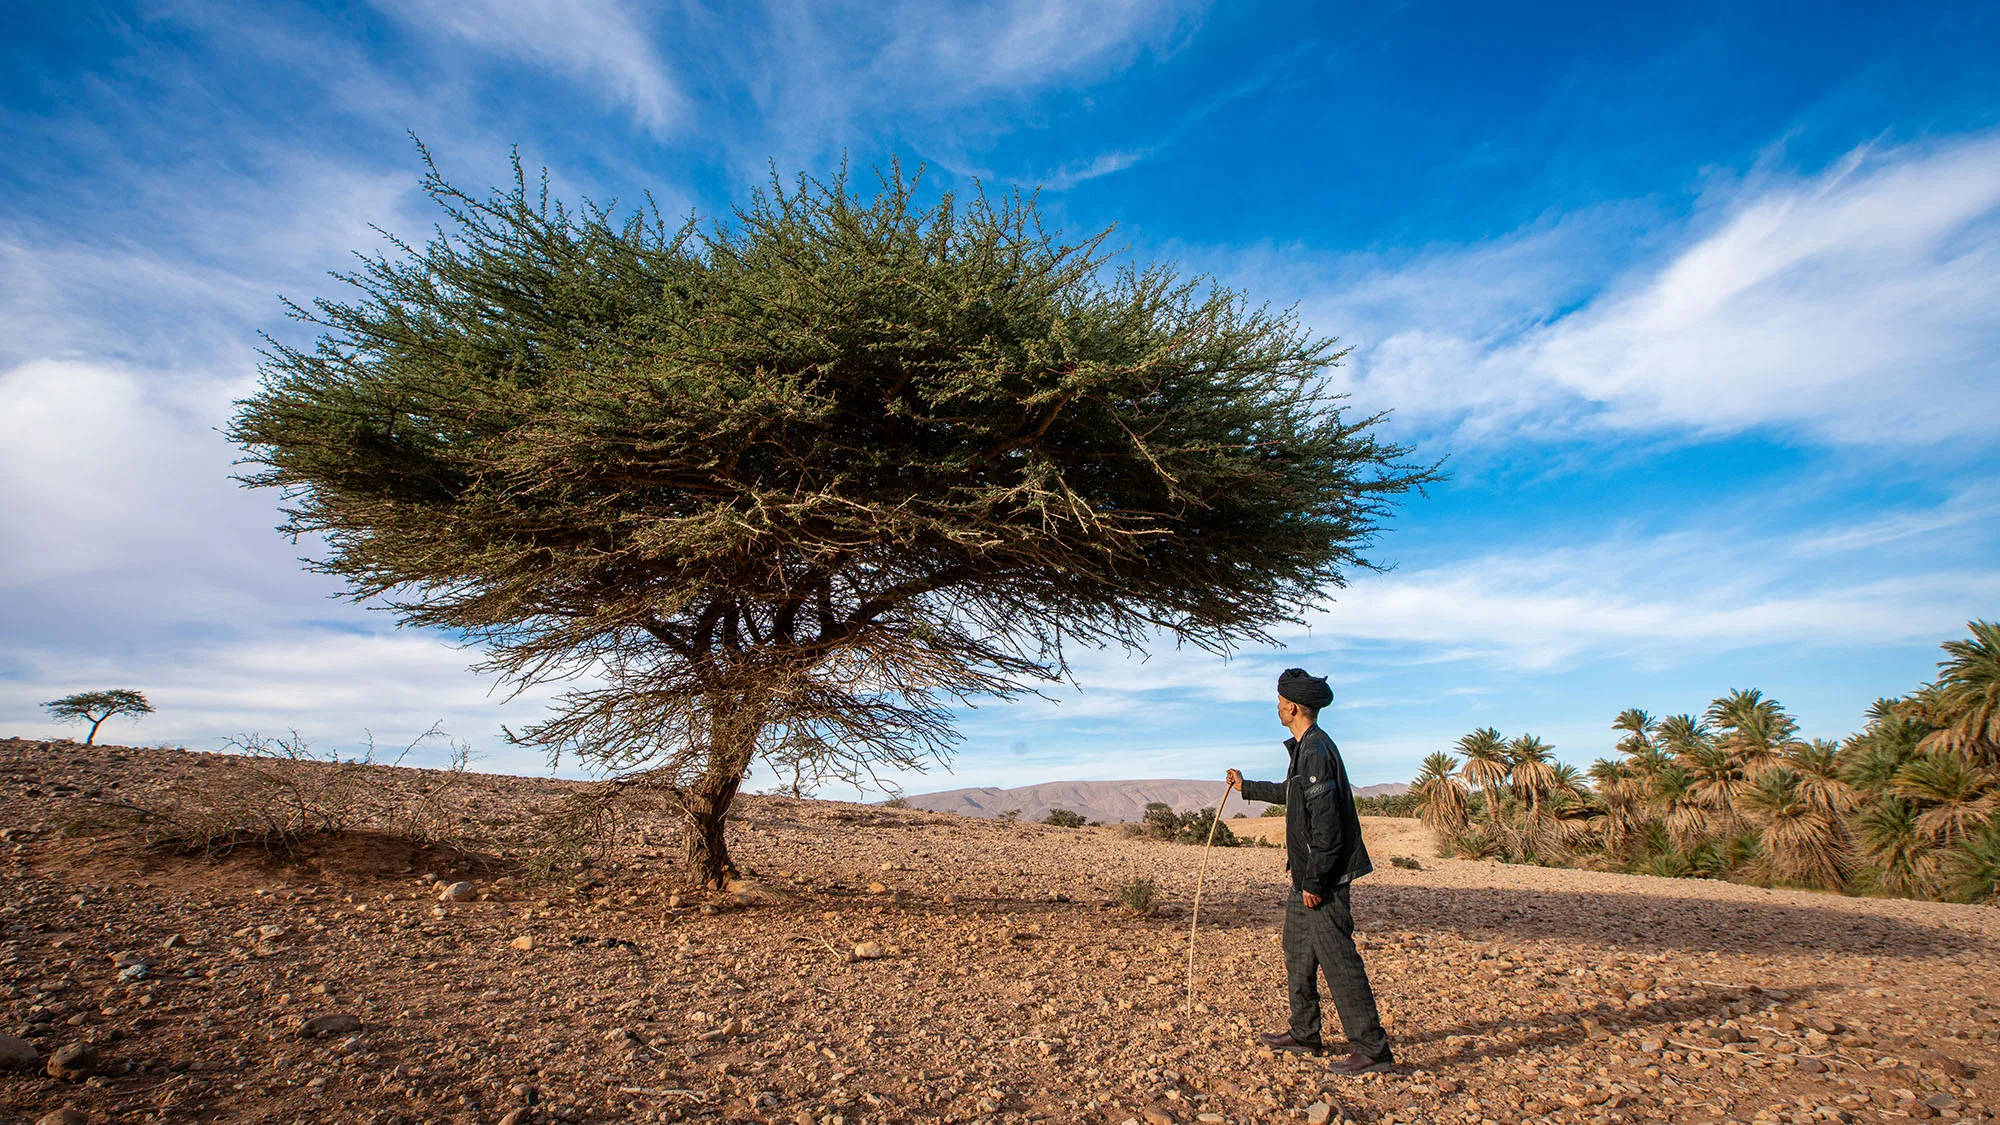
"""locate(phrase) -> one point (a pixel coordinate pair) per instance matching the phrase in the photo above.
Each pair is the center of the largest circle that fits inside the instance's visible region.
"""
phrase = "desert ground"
(883, 965)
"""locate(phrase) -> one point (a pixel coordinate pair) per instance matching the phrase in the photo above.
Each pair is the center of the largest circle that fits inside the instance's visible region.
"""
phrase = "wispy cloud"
(605, 45)
(1858, 305)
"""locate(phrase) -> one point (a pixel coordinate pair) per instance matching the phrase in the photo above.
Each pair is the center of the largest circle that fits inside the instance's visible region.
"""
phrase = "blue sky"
(1701, 301)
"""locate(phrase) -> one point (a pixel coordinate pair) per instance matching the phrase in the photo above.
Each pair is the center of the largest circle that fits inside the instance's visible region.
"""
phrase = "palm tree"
(1818, 766)
(1903, 858)
(1974, 867)
(1485, 768)
(1623, 794)
(1533, 772)
(1680, 806)
(1957, 797)
(1757, 731)
(1802, 844)
(1967, 696)
(1638, 728)
(1575, 810)
(1441, 798)
(1681, 735)
(1719, 782)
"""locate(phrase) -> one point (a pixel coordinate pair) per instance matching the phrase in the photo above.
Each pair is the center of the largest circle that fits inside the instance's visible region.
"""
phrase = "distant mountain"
(1108, 801)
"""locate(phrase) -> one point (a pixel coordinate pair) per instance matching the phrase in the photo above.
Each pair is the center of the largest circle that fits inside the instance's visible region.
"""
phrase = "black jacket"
(1323, 846)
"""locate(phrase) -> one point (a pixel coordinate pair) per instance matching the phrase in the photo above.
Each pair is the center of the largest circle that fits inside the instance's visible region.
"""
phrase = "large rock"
(460, 891)
(18, 1054)
(73, 1063)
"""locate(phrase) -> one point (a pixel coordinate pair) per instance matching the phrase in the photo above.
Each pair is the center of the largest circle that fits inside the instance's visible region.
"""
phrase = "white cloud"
(603, 44)
(1025, 44)
(1859, 305)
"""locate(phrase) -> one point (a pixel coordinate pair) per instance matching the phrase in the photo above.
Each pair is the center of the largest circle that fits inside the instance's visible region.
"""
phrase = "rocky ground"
(883, 965)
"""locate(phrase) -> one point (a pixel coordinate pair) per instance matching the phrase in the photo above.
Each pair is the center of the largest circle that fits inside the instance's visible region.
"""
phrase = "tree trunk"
(732, 741)
(91, 738)
(707, 853)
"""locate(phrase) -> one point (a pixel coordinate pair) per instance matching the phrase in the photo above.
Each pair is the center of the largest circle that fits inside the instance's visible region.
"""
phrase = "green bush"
(1063, 818)
(1139, 896)
(1195, 826)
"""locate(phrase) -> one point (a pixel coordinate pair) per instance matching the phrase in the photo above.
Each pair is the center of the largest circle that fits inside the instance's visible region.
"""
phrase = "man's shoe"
(1361, 1064)
(1283, 1041)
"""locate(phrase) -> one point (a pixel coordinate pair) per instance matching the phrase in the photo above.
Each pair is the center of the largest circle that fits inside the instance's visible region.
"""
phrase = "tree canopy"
(807, 477)
(94, 707)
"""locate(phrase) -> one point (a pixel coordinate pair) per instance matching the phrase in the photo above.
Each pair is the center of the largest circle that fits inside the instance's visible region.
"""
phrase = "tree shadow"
(1655, 921)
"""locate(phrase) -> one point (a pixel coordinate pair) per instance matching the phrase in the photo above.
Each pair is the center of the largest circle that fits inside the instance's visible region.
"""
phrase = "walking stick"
(1200, 879)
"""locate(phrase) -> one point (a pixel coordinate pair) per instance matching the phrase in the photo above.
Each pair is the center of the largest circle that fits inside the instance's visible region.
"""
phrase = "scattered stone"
(729, 1030)
(524, 943)
(517, 1117)
(1319, 1113)
(73, 1063)
(868, 951)
(338, 1023)
(18, 1054)
(63, 1116)
(1950, 1066)
(1159, 1117)
(877, 888)
(460, 891)
(272, 933)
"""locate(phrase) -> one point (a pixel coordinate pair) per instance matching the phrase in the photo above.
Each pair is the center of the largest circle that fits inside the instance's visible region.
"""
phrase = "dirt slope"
(1008, 989)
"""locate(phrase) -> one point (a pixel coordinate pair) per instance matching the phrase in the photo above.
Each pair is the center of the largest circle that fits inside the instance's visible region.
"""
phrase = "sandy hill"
(1106, 801)
(892, 966)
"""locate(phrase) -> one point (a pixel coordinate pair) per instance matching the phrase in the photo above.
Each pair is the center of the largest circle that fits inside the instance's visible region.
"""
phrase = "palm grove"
(1908, 806)
(792, 486)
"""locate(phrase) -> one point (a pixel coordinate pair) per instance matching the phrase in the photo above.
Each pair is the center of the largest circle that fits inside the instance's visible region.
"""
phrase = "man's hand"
(1235, 778)
(1312, 900)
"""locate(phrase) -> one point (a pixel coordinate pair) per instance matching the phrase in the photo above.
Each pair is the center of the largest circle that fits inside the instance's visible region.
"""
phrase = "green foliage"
(801, 481)
(1010, 816)
(1392, 804)
(1908, 806)
(1273, 810)
(1406, 862)
(1161, 822)
(1064, 818)
(1195, 828)
(1140, 896)
(94, 707)
(1475, 842)
(1972, 869)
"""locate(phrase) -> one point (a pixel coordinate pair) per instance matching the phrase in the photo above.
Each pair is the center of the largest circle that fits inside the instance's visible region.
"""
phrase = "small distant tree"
(1064, 818)
(1159, 820)
(1011, 816)
(810, 476)
(94, 707)
(1273, 810)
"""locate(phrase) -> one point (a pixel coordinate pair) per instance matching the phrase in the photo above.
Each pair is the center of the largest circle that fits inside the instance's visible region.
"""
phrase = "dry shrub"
(276, 794)
(1140, 896)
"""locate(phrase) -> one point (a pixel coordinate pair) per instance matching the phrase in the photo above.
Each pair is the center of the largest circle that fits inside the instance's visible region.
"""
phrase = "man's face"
(1286, 709)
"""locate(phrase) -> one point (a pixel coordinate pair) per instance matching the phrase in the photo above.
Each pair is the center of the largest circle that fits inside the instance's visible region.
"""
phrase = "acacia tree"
(807, 477)
(94, 707)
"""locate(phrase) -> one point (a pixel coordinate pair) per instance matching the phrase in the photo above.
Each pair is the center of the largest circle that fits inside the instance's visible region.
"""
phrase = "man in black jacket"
(1324, 853)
